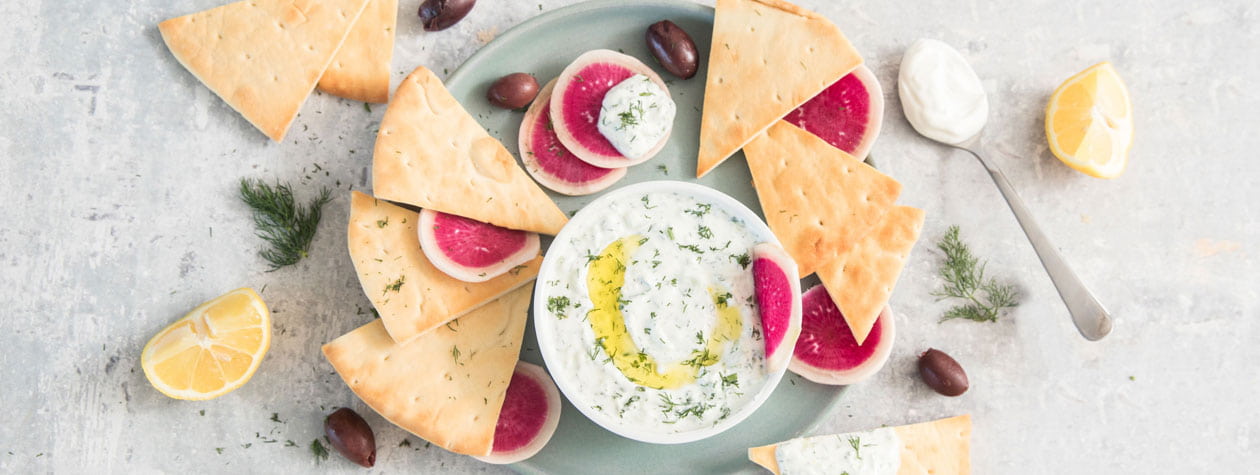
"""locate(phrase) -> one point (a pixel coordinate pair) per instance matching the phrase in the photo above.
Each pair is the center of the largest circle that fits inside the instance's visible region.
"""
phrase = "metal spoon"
(1091, 318)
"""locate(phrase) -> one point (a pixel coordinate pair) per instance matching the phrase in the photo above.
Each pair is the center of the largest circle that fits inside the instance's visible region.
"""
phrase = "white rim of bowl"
(544, 330)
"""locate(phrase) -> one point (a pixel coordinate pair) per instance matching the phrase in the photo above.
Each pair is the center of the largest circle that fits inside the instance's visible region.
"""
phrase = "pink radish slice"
(778, 300)
(827, 352)
(470, 250)
(848, 114)
(549, 162)
(528, 419)
(578, 98)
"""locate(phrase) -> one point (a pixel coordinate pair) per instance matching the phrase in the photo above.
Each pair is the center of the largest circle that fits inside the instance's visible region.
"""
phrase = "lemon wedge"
(212, 350)
(1089, 122)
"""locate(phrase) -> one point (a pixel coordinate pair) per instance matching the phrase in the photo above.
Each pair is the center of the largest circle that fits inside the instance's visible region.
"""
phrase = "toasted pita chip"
(817, 199)
(447, 386)
(263, 57)
(411, 295)
(861, 281)
(430, 153)
(360, 71)
(767, 58)
(936, 447)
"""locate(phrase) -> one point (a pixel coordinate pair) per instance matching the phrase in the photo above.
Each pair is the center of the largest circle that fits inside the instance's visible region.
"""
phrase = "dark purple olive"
(673, 49)
(351, 436)
(942, 373)
(439, 15)
(513, 91)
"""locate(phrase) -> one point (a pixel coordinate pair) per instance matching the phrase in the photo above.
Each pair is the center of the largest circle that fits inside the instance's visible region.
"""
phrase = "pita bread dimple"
(263, 57)
(431, 153)
(928, 448)
(861, 281)
(767, 58)
(360, 70)
(411, 295)
(817, 199)
(448, 385)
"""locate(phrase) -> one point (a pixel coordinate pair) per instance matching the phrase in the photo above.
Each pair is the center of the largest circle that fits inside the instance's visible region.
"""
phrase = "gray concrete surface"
(117, 182)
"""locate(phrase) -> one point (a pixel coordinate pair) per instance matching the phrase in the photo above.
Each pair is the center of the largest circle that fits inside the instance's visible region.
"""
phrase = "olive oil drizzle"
(605, 277)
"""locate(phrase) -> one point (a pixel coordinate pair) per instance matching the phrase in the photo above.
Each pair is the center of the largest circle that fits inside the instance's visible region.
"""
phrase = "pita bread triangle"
(431, 153)
(263, 57)
(861, 281)
(817, 199)
(767, 58)
(936, 447)
(411, 295)
(360, 71)
(447, 386)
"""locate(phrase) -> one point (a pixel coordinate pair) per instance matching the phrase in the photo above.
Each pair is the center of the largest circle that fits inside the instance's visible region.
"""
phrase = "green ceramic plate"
(543, 46)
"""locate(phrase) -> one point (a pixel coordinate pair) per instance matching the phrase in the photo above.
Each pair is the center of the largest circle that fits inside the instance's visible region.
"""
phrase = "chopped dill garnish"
(705, 232)
(321, 453)
(556, 306)
(701, 209)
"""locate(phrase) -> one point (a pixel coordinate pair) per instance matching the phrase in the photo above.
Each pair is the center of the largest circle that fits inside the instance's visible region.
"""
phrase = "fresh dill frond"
(288, 227)
(964, 279)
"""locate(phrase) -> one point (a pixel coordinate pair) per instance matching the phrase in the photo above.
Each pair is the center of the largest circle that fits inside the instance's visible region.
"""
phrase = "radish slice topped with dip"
(611, 110)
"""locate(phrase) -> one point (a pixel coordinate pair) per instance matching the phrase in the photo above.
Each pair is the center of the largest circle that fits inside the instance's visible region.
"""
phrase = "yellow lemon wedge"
(213, 350)
(1089, 122)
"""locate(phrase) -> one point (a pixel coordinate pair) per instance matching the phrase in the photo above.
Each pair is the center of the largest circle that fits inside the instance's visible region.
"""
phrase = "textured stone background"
(119, 215)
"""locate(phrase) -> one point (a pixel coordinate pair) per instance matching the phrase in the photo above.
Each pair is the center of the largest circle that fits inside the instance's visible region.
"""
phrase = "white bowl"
(544, 324)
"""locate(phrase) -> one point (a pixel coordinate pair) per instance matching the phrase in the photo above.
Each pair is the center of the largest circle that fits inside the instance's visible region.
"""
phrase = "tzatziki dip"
(651, 313)
(875, 452)
(636, 115)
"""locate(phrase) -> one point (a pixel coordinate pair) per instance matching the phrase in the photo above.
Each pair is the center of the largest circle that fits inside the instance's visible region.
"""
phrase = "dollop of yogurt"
(941, 95)
(636, 115)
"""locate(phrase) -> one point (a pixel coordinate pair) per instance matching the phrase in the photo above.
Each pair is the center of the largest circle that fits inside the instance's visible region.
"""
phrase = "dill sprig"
(964, 279)
(286, 225)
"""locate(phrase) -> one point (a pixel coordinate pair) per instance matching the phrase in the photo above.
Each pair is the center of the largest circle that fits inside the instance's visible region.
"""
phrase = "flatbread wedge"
(431, 153)
(411, 295)
(360, 71)
(817, 199)
(861, 281)
(767, 58)
(446, 386)
(938, 447)
(263, 57)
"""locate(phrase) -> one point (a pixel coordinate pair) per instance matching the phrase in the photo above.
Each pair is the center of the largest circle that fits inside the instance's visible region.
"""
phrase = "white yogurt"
(636, 115)
(686, 247)
(940, 93)
(876, 452)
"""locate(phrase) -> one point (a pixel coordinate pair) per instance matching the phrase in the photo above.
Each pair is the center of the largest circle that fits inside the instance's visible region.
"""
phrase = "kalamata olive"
(513, 91)
(673, 49)
(351, 436)
(439, 15)
(942, 373)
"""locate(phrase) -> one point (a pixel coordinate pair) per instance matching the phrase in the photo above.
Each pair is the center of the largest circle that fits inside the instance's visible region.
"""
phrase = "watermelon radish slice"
(528, 419)
(779, 302)
(549, 162)
(827, 353)
(470, 250)
(578, 97)
(847, 114)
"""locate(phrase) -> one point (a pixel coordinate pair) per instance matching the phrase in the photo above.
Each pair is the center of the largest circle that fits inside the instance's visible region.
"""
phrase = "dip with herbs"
(636, 115)
(652, 314)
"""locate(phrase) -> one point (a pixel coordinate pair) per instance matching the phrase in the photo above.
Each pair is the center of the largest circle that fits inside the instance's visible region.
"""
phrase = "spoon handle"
(1091, 318)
